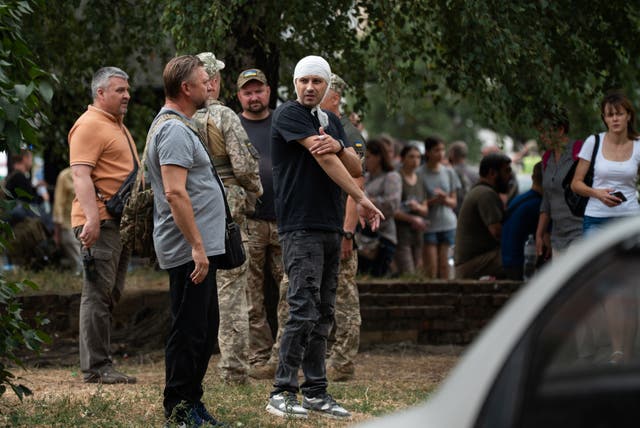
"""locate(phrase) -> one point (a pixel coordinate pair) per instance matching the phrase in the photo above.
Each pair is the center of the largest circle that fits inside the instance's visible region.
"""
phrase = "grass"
(386, 380)
(50, 280)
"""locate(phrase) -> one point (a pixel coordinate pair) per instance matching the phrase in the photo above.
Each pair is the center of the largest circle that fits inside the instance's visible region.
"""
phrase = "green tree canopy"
(90, 35)
(505, 61)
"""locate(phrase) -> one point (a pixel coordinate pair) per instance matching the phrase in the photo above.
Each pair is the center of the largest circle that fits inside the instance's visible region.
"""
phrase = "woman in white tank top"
(613, 195)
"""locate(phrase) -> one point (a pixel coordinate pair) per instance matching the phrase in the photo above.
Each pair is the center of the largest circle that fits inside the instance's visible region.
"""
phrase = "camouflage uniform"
(263, 244)
(347, 318)
(347, 308)
(236, 162)
(283, 317)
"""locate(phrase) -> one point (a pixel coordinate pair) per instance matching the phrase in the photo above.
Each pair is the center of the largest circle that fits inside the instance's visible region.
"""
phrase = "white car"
(562, 353)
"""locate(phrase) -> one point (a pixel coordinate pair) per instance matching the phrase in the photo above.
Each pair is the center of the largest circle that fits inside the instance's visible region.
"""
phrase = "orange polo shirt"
(101, 141)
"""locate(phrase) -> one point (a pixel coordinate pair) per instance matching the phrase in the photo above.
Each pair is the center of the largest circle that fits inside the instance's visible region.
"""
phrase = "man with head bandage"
(313, 164)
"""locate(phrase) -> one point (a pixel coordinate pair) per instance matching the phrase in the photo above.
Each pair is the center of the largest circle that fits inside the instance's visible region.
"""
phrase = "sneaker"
(109, 376)
(286, 405)
(262, 371)
(190, 419)
(326, 405)
(206, 416)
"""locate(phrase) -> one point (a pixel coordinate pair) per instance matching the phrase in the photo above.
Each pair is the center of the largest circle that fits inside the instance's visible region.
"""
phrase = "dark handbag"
(577, 203)
(234, 254)
(115, 204)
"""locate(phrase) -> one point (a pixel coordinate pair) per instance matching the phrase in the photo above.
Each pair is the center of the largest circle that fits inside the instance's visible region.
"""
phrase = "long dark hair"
(378, 148)
(617, 99)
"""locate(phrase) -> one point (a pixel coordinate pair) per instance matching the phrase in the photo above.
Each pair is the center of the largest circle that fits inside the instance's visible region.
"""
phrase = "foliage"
(16, 334)
(269, 35)
(124, 34)
(512, 60)
(24, 88)
(419, 117)
(501, 62)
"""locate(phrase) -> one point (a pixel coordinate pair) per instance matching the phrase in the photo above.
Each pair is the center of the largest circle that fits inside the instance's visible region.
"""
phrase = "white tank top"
(620, 176)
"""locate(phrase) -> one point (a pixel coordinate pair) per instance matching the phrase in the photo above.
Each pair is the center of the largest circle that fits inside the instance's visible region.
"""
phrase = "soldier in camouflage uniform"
(340, 364)
(236, 161)
(264, 248)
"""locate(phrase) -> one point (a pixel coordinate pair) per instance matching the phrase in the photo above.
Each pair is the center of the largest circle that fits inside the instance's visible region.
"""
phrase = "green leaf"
(46, 90)
(23, 91)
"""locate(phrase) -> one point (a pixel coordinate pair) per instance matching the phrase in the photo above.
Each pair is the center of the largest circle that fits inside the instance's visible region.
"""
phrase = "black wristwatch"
(347, 235)
(341, 149)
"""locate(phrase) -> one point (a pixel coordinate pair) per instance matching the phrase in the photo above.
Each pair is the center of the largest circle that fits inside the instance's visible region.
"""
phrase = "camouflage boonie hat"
(249, 75)
(337, 84)
(211, 64)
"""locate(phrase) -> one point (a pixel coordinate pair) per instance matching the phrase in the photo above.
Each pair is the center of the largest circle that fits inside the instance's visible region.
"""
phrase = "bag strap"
(135, 168)
(594, 154)
(172, 115)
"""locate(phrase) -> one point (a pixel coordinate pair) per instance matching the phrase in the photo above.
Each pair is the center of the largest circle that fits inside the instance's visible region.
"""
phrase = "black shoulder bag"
(577, 203)
(115, 204)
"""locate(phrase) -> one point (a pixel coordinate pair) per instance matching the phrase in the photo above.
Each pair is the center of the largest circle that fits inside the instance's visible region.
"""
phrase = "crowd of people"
(317, 203)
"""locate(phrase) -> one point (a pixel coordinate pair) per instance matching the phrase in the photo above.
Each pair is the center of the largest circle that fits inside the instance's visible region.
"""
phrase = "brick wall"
(434, 313)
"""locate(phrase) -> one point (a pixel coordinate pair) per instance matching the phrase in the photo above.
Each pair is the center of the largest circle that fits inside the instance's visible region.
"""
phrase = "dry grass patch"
(387, 379)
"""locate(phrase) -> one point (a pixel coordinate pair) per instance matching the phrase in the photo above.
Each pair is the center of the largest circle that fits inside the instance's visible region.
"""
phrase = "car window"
(579, 363)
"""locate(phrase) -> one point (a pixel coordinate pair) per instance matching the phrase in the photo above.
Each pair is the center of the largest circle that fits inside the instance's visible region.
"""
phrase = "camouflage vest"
(215, 141)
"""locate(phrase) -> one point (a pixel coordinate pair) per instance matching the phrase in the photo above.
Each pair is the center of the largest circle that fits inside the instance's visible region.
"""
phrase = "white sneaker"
(286, 405)
(326, 405)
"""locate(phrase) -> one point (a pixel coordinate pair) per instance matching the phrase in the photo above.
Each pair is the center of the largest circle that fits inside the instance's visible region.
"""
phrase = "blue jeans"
(444, 237)
(593, 224)
(311, 260)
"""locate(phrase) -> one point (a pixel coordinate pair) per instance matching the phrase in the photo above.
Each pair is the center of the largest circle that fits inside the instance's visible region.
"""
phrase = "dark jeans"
(311, 260)
(193, 335)
(380, 266)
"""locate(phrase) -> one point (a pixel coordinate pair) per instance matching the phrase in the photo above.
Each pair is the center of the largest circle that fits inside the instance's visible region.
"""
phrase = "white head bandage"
(314, 66)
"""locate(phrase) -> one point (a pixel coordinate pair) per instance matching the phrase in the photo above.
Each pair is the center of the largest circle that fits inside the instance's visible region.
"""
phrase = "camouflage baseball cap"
(337, 84)
(211, 64)
(249, 75)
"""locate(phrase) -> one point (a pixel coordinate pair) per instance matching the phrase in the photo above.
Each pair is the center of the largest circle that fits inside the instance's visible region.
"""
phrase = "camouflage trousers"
(265, 254)
(233, 333)
(347, 317)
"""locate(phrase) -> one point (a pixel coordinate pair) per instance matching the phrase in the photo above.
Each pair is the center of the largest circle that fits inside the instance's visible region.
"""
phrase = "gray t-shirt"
(441, 217)
(565, 227)
(175, 144)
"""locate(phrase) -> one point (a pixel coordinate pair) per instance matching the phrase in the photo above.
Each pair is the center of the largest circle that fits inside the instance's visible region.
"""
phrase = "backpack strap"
(545, 159)
(577, 146)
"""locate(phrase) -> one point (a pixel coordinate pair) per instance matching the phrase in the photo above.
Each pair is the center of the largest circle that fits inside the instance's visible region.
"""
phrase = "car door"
(578, 364)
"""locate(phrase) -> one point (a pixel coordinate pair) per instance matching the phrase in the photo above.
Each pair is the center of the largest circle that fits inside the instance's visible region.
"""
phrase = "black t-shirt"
(305, 196)
(17, 180)
(259, 132)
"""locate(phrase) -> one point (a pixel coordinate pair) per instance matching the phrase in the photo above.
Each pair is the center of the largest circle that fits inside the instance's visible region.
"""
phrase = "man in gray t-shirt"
(189, 219)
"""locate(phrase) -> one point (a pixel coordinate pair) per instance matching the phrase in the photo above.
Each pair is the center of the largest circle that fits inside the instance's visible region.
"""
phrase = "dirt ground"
(387, 378)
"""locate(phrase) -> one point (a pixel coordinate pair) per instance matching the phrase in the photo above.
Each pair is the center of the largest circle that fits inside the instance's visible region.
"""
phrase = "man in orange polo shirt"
(102, 154)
